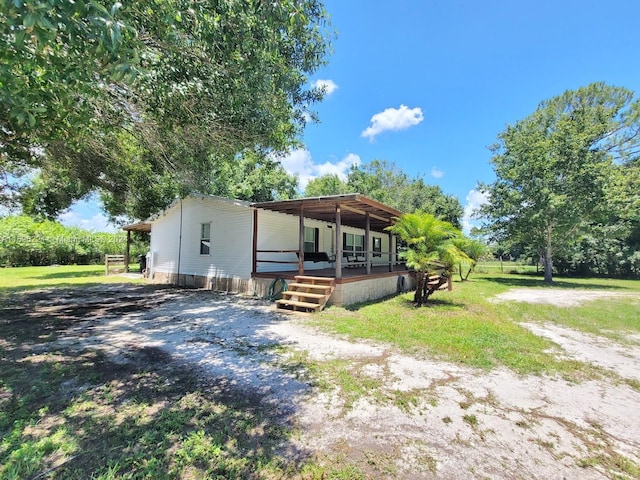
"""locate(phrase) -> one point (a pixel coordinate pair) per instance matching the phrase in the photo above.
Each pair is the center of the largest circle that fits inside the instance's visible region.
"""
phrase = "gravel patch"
(428, 419)
(556, 297)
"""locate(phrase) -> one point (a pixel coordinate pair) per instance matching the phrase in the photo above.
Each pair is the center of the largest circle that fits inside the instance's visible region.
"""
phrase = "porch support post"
(127, 252)
(391, 255)
(367, 256)
(254, 245)
(301, 241)
(338, 243)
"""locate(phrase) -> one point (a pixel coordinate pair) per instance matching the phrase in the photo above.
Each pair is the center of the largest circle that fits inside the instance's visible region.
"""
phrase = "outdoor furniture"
(355, 261)
(317, 257)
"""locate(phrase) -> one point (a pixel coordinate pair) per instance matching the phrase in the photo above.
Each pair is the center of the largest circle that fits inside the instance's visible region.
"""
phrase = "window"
(352, 243)
(377, 246)
(401, 246)
(311, 236)
(205, 238)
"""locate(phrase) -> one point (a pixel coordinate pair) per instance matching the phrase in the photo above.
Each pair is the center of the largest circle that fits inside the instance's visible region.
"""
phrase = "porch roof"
(353, 210)
(138, 227)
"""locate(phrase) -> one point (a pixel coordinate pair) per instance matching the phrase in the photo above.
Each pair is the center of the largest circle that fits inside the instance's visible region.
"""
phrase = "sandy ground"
(455, 423)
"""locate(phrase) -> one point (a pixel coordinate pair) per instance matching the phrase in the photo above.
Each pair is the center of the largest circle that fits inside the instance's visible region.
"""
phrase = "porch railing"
(364, 258)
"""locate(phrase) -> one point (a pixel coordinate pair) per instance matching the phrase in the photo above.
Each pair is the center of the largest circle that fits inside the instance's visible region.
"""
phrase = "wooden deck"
(352, 274)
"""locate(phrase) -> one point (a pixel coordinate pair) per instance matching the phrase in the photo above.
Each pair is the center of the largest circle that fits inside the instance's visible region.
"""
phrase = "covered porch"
(352, 210)
(141, 227)
(363, 272)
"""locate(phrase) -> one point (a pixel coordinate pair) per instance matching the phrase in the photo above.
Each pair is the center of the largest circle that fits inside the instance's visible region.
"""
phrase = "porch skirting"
(347, 291)
(369, 289)
(246, 286)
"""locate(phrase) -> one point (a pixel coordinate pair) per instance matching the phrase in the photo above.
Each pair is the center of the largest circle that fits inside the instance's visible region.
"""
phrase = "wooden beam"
(367, 256)
(127, 252)
(391, 253)
(363, 213)
(254, 243)
(338, 243)
(301, 241)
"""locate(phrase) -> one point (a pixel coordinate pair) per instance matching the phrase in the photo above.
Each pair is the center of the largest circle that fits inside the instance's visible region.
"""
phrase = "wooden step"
(298, 293)
(294, 286)
(310, 294)
(314, 280)
(294, 303)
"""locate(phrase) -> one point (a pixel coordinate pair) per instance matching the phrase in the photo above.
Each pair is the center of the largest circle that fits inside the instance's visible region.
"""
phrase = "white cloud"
(95, 223)
(393, 119)
(475, 200)
(437, 173)
(299, 162)
(329, 86)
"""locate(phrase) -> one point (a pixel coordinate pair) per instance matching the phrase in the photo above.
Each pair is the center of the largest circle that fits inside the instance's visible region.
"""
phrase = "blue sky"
(428, 85)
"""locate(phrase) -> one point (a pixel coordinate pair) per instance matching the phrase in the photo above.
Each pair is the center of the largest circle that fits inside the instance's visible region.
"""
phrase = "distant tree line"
(25, 242)
(385, 182)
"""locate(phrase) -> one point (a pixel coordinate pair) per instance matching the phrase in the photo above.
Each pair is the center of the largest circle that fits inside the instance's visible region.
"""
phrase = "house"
(237, 246)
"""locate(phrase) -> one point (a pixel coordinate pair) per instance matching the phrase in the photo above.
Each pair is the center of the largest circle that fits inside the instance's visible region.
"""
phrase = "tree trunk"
(420, 281)
(468, 273)
(548, 258)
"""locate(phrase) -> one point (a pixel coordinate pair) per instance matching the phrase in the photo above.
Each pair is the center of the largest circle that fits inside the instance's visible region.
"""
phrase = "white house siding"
(231, 239)
(278, 231)
(228, 266)
(383, 259)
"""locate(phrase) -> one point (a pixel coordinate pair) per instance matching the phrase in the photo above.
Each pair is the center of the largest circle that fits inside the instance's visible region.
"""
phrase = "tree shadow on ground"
(406, 299)
(145, 414)
(67, 274)
(558, 283)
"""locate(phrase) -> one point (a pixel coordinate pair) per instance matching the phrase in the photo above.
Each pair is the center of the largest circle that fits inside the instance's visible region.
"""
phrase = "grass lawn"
(23, 278)
(465, 327)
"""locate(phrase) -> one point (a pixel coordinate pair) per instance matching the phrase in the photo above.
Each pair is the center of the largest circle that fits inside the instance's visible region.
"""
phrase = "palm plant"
(474, 249)
(430, 241)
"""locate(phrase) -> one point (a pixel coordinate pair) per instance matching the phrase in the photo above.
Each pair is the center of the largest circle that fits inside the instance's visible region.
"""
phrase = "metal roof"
(353, 210)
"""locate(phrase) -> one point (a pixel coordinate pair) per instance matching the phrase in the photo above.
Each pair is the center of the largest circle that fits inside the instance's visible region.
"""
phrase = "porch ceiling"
(353, 210)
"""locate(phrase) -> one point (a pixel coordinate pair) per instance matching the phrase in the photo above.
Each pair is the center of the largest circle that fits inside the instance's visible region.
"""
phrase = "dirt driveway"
(422, 418)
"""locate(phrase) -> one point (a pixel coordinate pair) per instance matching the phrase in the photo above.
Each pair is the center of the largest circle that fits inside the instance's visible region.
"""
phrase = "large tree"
(553, 167)
(172, 87)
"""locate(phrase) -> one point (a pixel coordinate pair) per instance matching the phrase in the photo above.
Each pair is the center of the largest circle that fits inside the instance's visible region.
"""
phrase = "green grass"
(497, 267)
(464, 327)
(84, 417)
(25, 278)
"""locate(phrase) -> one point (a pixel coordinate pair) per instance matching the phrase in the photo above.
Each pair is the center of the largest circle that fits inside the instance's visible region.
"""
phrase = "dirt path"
(419, 418)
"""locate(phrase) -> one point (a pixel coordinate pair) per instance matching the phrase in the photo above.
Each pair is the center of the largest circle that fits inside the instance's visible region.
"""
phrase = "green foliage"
(554, 167)
(608, 244)
(388, 184)
(24, 241)
(474, 250)
(429, 240)
(329, 184)
(95, 94)
(142, 189)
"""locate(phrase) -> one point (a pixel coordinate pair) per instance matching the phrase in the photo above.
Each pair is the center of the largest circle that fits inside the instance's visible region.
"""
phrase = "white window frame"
(205, 238)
